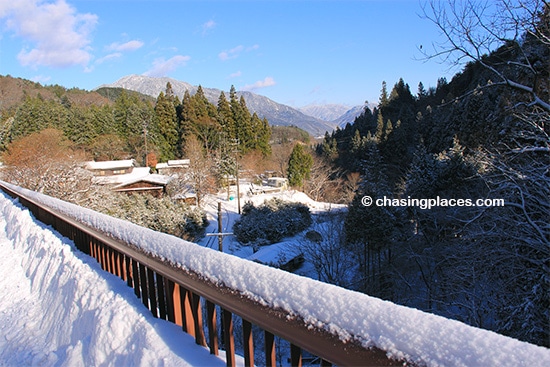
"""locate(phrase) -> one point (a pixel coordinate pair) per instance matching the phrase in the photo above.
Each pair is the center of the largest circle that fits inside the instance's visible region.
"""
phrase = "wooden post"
(270, 358)
(197, 319)
(161, 295)
(295, 356)
(212, 324)
(248, 344)
(220, 238)
(229, 339)
(152, 292)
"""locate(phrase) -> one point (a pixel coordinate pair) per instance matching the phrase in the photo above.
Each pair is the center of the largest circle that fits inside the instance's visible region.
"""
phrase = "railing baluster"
(295, 356)
(248, 344)
(188, 322)
(161, 296)
(212, 324)
(143, 284)
(102, 256)
(135, 278)
(229, 339)
(152, 292)
(178, 304)
(170, 301)
(270, 360)
(197, 319)
(127, 270)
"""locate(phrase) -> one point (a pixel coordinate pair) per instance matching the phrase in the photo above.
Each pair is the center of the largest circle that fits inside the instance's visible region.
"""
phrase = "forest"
(482, 135)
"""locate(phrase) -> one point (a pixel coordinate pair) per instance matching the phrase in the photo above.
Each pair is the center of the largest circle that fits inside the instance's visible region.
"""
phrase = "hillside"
(276, 113)
(14, 90)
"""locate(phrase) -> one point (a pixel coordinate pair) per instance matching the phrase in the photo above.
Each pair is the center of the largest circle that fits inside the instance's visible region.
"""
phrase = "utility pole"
(146, 152)
(220, 234)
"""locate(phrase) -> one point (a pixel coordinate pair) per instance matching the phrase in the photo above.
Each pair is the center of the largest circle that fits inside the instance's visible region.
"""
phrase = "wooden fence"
(179, 296)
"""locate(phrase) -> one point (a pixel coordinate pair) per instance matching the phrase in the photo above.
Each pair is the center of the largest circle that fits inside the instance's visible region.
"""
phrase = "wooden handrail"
(174, 294)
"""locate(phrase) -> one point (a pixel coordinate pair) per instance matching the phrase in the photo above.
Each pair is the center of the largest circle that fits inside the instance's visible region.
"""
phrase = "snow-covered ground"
(67, 295)
(269, 254)
(58, 308)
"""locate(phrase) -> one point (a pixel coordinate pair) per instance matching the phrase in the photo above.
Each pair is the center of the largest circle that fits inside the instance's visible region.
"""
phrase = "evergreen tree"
(299, 165)
(225, 116)
(165, 113)
(383, 95)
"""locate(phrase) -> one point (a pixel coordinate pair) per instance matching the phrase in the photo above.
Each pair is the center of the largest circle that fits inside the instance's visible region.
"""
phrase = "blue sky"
(294, 52)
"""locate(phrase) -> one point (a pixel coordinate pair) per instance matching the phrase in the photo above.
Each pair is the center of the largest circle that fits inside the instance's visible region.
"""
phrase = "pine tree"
(166, 117)
(299, 165)
(383, 95)
(225, 116)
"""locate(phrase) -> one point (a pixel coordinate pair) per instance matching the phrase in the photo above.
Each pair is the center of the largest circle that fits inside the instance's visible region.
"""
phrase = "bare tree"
(199, 177)
(473, 29)
(326, 250)
(47, 163)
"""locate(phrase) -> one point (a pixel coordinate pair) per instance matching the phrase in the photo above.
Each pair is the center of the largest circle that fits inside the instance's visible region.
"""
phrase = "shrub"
(271, 222)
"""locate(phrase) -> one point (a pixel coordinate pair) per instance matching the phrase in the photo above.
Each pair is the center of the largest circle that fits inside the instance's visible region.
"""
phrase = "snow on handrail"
(329, 321)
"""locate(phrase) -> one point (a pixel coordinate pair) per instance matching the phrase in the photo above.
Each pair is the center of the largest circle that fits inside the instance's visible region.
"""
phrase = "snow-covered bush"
(271, 222)
(159, 214)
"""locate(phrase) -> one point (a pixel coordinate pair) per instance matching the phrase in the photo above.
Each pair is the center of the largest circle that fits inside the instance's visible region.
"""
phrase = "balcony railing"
(179, 296)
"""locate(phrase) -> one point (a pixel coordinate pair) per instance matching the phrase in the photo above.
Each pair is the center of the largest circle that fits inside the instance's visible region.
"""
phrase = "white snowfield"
(58, 308)
(43, 294)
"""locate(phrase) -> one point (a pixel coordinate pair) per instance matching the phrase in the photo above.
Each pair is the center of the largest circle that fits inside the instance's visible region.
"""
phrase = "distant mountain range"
(314, 119)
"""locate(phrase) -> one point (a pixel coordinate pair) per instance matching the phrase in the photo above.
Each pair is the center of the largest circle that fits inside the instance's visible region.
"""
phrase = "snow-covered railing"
(178, 295)
(182, 282)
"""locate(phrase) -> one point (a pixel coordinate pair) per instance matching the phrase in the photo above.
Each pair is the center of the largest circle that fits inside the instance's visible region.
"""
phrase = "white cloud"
(235, 75)
(231, 54)
(208, 26)
(60, 36)
(267, 82)
(162, 67)
(115, 55)
(236, 51)
(127, 46)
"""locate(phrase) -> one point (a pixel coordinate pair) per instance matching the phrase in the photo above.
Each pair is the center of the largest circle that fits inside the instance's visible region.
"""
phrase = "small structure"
(151, 184)
(111, 168)
(279, 182)
(186, 195)
(172, 166)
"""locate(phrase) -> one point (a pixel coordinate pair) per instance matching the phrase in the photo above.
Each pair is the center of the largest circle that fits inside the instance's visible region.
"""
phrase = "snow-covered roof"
(126, 163)
(152, 178)
(276, 254)
(136, 174)
(176, 163)
(179, 162)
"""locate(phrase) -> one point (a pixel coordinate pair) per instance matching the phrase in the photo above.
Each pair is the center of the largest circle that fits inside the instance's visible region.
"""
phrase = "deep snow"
(403, 332)
(58, 308)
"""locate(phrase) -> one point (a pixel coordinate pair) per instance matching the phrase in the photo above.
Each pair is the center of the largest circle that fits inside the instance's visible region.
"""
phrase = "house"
(111, 168)
(172, 166)
(279, 182)
(153, 184)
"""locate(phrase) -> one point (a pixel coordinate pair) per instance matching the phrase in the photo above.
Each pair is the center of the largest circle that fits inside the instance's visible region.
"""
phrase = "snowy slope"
(401, 331)
(59, 309)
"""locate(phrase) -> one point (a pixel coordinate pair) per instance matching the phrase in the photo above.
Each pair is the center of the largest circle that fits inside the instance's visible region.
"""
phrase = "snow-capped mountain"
(276, 113)
(338, 114)
(349, 116)
(325, 112)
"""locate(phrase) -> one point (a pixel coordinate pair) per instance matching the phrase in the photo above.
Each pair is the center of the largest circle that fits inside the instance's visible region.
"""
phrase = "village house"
(153, 184)
(172, 166)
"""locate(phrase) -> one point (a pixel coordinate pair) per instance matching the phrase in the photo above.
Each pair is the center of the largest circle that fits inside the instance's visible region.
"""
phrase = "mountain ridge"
(276, 113)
